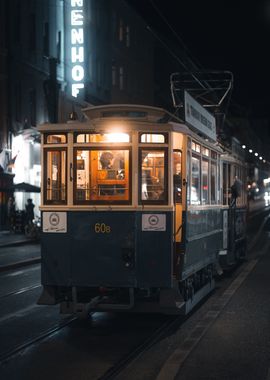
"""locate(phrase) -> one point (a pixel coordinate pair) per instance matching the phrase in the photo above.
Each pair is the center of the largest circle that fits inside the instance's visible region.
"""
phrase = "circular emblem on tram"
(153, 220)
(54, 219)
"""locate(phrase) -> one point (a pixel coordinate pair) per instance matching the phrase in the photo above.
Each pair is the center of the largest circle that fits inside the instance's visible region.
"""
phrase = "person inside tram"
(106, 159)
(236, 189)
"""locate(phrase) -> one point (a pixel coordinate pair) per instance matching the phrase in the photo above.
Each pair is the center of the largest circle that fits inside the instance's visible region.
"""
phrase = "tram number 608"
(102, 228)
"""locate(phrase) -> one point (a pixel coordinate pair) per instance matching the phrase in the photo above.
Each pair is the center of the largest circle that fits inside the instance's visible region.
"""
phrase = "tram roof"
(109, 116)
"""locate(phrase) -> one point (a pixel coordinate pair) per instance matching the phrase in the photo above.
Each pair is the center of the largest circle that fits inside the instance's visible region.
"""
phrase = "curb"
(19, 242)
(19, 264)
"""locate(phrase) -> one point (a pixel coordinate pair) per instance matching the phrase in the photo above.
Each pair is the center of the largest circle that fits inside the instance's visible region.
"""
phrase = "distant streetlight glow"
(260, 158)
(244, 146)
(250, 150)
(256, 154)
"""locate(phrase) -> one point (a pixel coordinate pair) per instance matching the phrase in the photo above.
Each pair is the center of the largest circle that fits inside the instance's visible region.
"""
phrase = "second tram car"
(134, 213)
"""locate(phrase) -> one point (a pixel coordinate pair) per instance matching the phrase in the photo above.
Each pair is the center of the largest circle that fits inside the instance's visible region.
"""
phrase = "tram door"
(177, 199)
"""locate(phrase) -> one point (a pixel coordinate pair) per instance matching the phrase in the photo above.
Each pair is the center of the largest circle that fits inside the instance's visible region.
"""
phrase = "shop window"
(55, 177)
(102, 176)
(153, 184)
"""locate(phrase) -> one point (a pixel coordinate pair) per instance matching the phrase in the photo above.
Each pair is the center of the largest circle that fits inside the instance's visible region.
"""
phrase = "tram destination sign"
(198, 118)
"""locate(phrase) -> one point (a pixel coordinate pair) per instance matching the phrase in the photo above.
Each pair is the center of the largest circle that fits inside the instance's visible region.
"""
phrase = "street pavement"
(13, 251)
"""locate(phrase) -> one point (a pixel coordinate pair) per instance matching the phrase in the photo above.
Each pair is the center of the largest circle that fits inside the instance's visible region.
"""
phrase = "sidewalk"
(26, 251)
(8, 239)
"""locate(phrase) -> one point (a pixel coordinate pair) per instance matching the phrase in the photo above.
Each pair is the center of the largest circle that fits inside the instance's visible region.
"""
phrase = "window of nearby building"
(46, 41)
(114, 75)
(127, 36)
(32, 101)
(32, 32)
(121, 78)
(121, 30)
(18, 102)
(59, 46)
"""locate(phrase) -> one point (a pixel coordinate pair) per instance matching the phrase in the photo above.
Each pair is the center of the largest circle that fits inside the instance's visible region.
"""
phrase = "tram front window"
(153, 176)
(102, 175)
(55, 176)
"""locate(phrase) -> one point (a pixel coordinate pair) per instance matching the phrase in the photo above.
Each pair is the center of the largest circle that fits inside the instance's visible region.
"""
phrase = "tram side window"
(153, 176)
(205, 182)
(195, 181)
(102, 176)
(177, 176)
(55, 139)
(213, 182)
(55, 177)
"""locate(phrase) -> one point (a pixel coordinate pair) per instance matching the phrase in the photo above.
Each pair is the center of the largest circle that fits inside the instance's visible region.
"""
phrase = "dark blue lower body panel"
(110, 249)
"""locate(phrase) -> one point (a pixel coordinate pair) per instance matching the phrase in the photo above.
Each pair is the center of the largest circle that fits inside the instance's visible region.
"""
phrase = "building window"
(121, 78)
(59, 46)
(127, 36)
(46, 47)
(121, 30)
(18, 103)
(32, 101)
(114, 75)
(32, 32)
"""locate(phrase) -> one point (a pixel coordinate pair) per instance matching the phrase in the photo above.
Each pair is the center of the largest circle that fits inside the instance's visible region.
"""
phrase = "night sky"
(221, 35)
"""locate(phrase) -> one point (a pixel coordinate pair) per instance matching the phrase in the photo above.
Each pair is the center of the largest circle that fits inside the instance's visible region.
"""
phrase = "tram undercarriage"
(180, 299)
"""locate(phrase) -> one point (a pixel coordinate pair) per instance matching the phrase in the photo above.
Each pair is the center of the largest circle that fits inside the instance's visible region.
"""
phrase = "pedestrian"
(29, 211)
(11, 213)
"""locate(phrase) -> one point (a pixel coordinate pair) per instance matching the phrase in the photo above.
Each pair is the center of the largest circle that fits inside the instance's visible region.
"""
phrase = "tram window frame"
(45, 177)
(214, 189)
(177, 178)
(77, 134)
(48, 135)
(165, 135)
(111, 201)
(192, 201)
(205, 200)
(153, 201)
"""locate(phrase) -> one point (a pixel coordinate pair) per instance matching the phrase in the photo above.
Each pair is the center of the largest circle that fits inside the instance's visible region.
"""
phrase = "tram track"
(7, 355)
(20, 291)
(140, 349)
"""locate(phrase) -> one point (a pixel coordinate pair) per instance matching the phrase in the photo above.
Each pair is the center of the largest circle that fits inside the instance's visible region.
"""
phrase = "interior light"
(117, 137)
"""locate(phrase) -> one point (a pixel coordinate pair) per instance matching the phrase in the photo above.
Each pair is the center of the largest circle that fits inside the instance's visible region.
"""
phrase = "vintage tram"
(132, 211)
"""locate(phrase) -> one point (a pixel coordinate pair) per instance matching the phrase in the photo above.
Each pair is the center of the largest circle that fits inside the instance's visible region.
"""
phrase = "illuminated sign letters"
(77, 48)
